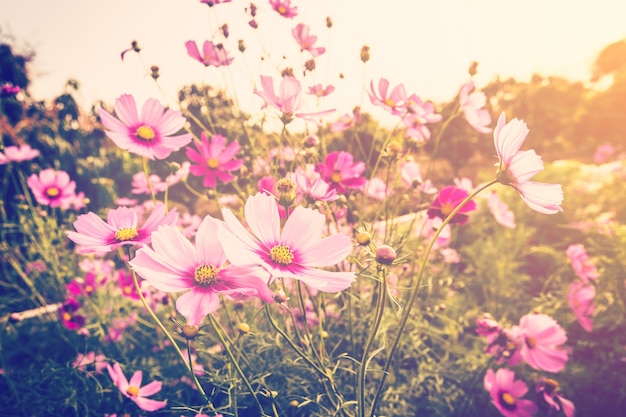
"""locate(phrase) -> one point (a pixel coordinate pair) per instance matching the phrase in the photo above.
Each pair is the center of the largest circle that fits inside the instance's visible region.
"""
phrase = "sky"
(425, 45)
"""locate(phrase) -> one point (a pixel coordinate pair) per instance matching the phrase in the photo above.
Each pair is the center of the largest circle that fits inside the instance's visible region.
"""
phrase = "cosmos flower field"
(185, 260)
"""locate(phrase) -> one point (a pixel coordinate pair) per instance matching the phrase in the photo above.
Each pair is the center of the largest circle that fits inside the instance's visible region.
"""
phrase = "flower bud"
(365, 53)
(473, 69)
(287, 72)
(135, 46)
(244, 328)
(190, 331)
(286, 192)
(385, 255)
(310, 65)
(329, 22)
(280, 296)
(154, 72)
(225, 30)
(253, 24)
(363, 238)
(241, 45)
(311, 141)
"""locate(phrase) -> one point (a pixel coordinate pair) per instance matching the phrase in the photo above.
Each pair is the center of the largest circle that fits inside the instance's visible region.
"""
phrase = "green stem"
(413, 296)
(234, 362)
(378, 317)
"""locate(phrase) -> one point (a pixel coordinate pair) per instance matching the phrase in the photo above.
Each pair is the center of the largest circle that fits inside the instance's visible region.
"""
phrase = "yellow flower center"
(531, 342)
(126, 233)
(213, 163)
(507, 399)
(53, 192)
(67, 316)
(205, 275)
(88, 288)
(282, 255)
(145, 132)
(446, 209)
(336, 177)
(132, 391)
(127, 290)
(389, 102)
(282, 10)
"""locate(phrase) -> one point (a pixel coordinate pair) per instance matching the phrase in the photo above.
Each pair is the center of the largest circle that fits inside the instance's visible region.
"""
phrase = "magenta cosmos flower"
(202, 270)
(540, 344)
(211, 54)
(392, 101)
(94, 235)
(506, 393)
(472, 104)
(580, 297)
(283, 8)
(52, 188)
(21, 153)
(289, 99)
(295, 252)
(447, 200)
(517, 167)
(581, 264)
(132, 389)
(150, 135)
(340, 171)
(550, 399)
(214, 160)
(318, 90)
(306, 41)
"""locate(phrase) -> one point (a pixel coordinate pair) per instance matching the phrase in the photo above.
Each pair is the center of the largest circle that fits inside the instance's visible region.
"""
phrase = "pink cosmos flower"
(283, 8)
(118, 326)
(121, 228)
(500, 211)
(506, 393)
(140, 184)
(346, 121)
(517, 167)
(132, 389)
(179, 174)
(551, 401)
(340, 171)
(289, 99)
(150, 135)
(376, 189)
(581, 264)
(447, 200)
(295, 252)
(70, 317)
(83, 286)
(472, 104)
(312, 187)
(126, 284)
(212, 54)
(392, 101)
(306, 41)
(418, 113)
(214, 159)
(176, 265)
(319, 90)
(82, 361)
(541, 340)
(488, 327)
(580, 296)
(52, 188)
(21, 153)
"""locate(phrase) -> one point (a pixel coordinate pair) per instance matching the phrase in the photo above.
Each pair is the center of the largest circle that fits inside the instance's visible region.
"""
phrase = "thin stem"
(234, 362)
(378, 317)
(413, 296)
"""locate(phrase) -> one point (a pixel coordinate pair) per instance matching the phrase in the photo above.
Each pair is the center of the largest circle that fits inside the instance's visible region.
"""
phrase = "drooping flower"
(341, 172)
(541, 340)
(121, 228)
(52, 188)
(472, 105)
(488, 327)
(21, 153)
(506, 393)
(143, 185)
(312, 187)
(83, 286)
(295, 252)
(411, 176)
(392, 101)
(581, 264)
(289, 99)
(83, 361)
(500, 211)
(580, 296)
(550, 399)
(346, 121)
(306, 41)
(517, 167)
(211, 54)
(150, 135)
(418, 114)
(447, 200)
(214, 160)
(283, 8)
(175, 264)
(70, 317)
(132, 389)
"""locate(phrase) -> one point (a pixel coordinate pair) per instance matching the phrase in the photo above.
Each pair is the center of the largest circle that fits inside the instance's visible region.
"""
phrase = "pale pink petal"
(261, 213)
(126, 110)
(196, 304)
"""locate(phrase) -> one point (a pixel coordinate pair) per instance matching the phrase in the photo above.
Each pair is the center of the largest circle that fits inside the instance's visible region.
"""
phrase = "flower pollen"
(145, 133)
(126, 233)
(205, 275)
(53, 192)
(213, 163)
(336, 177)
(282, 255)
(507, 401)
(132, 391)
